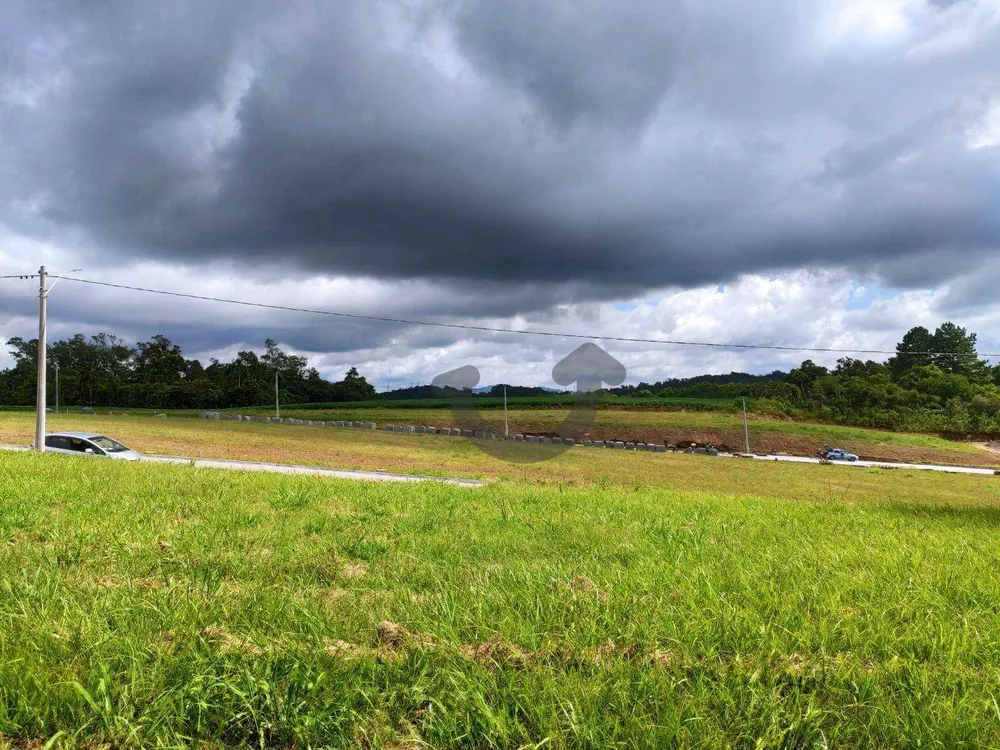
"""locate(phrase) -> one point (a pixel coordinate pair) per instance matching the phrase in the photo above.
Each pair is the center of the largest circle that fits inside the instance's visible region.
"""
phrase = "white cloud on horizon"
(806, 308)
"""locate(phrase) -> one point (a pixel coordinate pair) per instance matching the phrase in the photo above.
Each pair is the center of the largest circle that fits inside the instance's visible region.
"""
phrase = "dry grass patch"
(354, 571)
(227, 642)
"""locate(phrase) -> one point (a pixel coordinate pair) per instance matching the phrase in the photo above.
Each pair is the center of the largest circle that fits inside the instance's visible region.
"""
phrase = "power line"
(515, 331)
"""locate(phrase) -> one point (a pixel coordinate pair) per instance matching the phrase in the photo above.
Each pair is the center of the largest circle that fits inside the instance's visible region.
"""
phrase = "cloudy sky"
(823, 173)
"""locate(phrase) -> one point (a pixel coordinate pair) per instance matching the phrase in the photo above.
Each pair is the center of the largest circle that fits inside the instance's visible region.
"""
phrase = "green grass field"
(160, 605)
(713, 422)
(719, 427)
(443, 456)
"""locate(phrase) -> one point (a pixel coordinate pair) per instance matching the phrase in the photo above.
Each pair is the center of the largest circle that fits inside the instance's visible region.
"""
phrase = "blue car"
(839, 454)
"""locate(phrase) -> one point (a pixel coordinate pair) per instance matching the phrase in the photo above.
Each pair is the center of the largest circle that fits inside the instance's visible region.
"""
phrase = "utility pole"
(506, 428)
(746, 430)
(277, 401)
(56, 365)
(40, 394)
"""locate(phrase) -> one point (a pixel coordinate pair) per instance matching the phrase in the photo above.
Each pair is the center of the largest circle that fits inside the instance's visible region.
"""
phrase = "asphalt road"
(365, 476)
(879, 464)
(378, 476)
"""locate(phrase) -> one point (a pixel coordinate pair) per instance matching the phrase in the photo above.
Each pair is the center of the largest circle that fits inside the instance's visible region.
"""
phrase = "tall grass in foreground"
(159, 605)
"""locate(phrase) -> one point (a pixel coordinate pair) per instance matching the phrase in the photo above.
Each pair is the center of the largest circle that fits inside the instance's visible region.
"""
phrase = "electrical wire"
(516, 331)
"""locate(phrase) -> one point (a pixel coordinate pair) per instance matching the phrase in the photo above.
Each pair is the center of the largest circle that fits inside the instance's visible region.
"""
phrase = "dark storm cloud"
(202, 326)
(578, 59)
(621, 145)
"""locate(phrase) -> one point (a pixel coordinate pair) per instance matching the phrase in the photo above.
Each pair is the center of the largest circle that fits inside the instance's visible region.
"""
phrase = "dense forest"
(103, 370)
(935, 382)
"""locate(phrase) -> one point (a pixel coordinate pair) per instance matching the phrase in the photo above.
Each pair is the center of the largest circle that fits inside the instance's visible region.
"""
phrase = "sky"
(814, 173)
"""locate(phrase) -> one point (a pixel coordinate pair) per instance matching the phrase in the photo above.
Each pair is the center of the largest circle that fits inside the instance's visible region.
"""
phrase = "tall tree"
(849, 367)
(286, 365)
(159, 361)
(961, 357)
(911, 351)
(20, 383)
(353, 387)
(805, 375)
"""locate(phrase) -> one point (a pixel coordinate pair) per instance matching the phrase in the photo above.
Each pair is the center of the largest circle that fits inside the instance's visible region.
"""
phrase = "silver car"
(87, 444)
(839, 454)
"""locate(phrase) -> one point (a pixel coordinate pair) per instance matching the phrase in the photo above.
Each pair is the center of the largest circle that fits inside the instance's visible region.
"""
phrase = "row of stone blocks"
(285, 420)
(619, 445)
(447, 431)
(519, 438)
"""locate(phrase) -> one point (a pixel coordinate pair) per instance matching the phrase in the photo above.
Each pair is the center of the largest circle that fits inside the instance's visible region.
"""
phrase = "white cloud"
(872, 22)
(800, 308)
(986, 132)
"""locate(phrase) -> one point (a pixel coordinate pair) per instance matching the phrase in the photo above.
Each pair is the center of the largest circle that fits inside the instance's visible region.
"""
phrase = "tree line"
(103, 370)
(935, 382)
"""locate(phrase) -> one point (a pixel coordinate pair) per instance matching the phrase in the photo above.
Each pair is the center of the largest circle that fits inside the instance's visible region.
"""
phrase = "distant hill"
(699, 385)
(733, 377)
(705, 386)
(429, 391)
